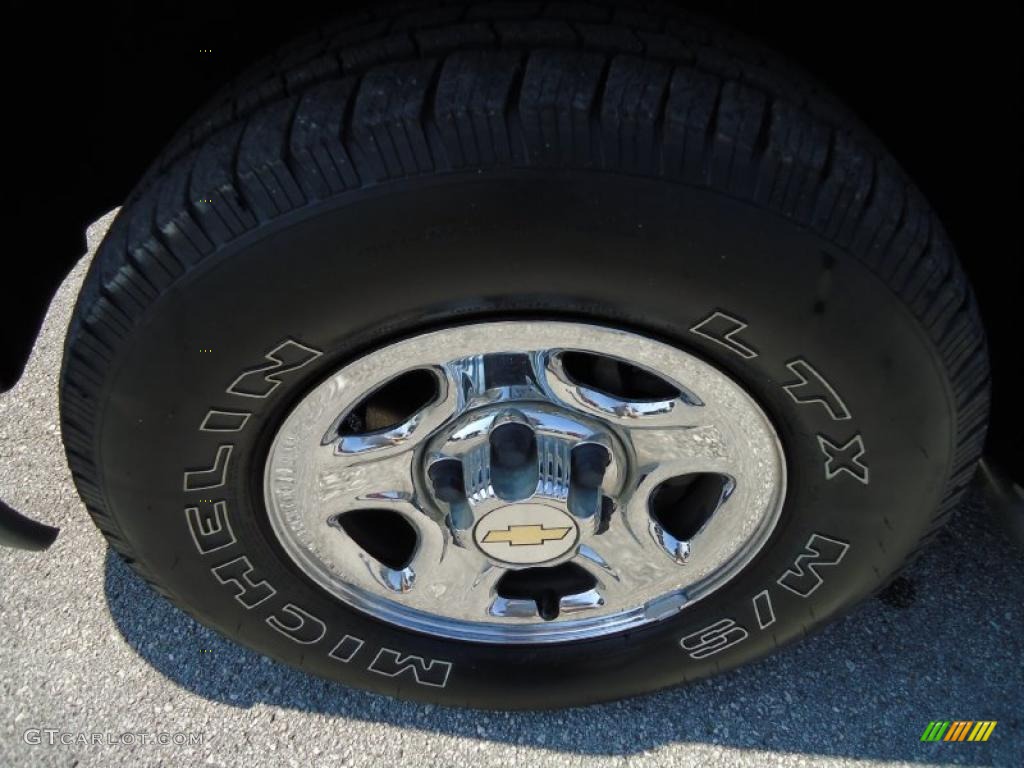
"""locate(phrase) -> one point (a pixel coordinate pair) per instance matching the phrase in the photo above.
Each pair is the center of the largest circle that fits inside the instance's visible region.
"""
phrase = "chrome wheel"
(524, 482)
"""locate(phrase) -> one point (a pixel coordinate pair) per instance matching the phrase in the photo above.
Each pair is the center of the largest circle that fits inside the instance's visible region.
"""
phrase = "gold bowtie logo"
(525, 535)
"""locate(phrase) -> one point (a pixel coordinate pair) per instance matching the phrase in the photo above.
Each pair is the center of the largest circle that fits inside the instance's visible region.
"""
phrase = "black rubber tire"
(642, 170)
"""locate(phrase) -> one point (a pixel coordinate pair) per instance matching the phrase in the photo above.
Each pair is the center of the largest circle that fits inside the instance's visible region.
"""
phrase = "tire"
(396, 175)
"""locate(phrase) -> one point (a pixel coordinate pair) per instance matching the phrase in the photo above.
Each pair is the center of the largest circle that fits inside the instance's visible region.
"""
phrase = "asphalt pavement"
(94, 661)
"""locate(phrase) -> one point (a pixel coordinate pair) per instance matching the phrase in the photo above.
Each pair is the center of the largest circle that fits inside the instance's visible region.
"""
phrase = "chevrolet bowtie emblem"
(525, 535)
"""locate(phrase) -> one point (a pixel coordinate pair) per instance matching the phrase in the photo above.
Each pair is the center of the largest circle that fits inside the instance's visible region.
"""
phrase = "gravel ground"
(86, 646)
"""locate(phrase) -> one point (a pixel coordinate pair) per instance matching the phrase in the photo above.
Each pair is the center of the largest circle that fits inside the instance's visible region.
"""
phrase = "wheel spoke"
(621, 563)
(671, 451)
(455, 574)
(361, 480)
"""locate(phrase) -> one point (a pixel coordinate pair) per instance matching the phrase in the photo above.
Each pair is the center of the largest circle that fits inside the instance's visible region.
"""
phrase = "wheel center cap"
(526, 533)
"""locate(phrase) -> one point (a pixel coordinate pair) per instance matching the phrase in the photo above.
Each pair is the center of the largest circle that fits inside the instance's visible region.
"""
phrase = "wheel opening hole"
(683, 505)
(617, 378)
(546, 586)
(383, 534)
(393, 403)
